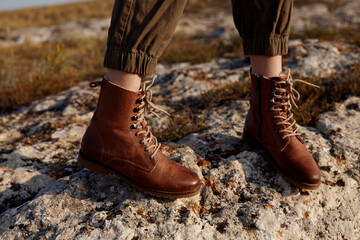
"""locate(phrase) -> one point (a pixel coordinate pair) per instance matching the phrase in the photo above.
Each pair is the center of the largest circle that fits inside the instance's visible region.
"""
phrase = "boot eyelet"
(136, 134)
(134, 118)
(133, 126)
(150, 158)
(139, 100)
(272, 100)
(140, 142)
(271, 109)
(136, 109)
(145, 150)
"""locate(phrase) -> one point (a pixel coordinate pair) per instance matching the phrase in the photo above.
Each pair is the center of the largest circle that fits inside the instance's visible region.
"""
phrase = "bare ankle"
(128, 81)
(268, 66)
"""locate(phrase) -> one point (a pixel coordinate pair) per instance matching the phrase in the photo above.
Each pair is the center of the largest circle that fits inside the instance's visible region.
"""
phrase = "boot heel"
(92, 165)
(251, 141)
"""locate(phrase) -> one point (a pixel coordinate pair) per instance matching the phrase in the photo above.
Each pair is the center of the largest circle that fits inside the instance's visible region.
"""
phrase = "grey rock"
(44, 106)
(45, 194)
(242, 195)
(72, 133)
(327, 14)
(10, 136)
(341, 127)
(316, 58)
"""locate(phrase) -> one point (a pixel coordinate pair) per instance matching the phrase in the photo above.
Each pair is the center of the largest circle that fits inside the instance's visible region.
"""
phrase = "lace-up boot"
(270, 125)
(118, 141)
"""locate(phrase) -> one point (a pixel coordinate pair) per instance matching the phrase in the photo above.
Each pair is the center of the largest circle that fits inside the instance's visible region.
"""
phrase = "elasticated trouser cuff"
(266, 46)
(139, 33)
(141, 30)
(132, 62)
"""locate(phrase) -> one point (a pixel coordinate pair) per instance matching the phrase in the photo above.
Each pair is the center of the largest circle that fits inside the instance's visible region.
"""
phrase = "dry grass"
(349, 35)
(30, 72)
(51, 15)
(333, 89)
(227, 93)
(195, 6)
(186, 49)
(45, 16)
(189, 120)
(193, 112)
(332, 5)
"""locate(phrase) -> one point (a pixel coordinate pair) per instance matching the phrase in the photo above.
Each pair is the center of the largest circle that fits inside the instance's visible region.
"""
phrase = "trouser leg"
(264, 25)
(139, 33)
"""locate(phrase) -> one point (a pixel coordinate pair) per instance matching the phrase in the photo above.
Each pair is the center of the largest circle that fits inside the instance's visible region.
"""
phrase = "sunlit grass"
(349, 35)
(45, 16)
(50, 15)
(333, 89)
(30, 72)
(187, 49)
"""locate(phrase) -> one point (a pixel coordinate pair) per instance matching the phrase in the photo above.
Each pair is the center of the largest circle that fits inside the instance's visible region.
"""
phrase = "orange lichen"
(213, 185)
(204, 163)
(343, 162)
(216, 142)
(306, 215)
(230, 184)
(268, 206)
(194, 207)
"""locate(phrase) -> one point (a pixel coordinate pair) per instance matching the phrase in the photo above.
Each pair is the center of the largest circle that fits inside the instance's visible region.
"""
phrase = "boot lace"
(146, 106)
(284, 96)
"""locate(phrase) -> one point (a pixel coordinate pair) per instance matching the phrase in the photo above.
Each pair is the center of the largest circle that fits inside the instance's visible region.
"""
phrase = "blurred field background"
(32, 71)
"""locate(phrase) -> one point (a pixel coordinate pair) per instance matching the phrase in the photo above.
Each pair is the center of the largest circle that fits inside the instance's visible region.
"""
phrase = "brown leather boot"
(270, 125)
(118, 141)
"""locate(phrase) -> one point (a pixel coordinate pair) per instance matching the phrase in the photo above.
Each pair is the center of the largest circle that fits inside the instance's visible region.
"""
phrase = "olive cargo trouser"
(140, 30)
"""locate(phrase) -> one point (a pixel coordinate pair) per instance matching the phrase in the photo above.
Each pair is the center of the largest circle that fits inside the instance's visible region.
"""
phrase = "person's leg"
(118, 140)
(264, 26)
(269, 66)
(139, 33)
(128, 81)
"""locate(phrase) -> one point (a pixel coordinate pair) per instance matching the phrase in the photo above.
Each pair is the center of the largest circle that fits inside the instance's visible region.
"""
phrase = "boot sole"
(255, 144)
(104, 170)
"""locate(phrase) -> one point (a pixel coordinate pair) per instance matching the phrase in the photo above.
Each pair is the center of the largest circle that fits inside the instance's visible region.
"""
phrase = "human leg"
(269, 66)
(264, 26)
(118, 140)
(138, 35)
(128, 81)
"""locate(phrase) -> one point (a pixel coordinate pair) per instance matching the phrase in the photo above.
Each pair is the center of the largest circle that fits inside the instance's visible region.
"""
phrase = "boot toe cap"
(312, 180)
(191, 182)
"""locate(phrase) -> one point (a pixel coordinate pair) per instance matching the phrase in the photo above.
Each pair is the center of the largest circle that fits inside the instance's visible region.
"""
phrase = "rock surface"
(44, 193)
(326, 14)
